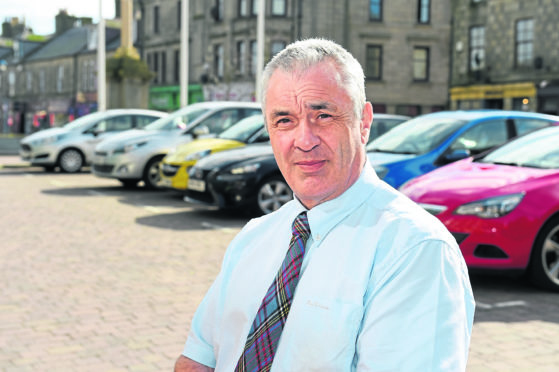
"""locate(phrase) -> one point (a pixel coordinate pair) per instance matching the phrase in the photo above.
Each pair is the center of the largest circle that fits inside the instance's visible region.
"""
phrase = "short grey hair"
(304, 54)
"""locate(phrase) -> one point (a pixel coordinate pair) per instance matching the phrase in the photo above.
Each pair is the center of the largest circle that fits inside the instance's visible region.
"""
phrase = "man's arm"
(185, 364)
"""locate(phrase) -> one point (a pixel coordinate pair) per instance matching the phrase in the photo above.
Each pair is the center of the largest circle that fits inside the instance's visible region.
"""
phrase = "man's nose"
(306, 135)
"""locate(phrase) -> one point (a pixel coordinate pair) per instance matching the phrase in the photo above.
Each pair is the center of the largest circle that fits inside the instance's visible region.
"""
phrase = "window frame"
(476, 43)
(528, 56)
(425, 61)
(379, 4)
(283, 13)
(424, 7)
(379, 58)
(155, 24)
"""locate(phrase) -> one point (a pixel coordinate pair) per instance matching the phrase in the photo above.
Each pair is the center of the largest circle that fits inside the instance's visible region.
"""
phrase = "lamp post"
(101, 83)
(184, 53)
(260, 48)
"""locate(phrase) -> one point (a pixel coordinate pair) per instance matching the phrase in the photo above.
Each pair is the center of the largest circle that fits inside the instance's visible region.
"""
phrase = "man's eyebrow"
(277, 113)
(321, 106)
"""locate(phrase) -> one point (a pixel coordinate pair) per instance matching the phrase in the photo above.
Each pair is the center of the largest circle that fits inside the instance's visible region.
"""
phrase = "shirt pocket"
(323, 335)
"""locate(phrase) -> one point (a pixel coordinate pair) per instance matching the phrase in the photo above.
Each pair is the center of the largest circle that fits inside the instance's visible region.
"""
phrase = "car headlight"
(129, 147)
(381, 171)
(492, 207)
(49, 140)
(249, 168)
(198, 155)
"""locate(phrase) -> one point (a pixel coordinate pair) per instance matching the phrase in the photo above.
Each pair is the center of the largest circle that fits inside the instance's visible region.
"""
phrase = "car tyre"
(544, 263)
(151, 175)
(272, 194)
(70, 161)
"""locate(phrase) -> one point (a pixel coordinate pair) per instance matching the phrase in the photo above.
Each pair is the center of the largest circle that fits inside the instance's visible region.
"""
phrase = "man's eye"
(324, 116)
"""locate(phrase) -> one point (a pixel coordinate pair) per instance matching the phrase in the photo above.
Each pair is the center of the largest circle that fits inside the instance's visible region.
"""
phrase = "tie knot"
(301, 226)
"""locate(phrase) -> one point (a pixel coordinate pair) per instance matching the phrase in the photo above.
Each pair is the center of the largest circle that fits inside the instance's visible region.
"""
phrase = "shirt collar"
(325, 216)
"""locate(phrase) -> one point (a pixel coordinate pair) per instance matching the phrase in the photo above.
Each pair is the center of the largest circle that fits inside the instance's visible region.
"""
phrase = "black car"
(246, 178)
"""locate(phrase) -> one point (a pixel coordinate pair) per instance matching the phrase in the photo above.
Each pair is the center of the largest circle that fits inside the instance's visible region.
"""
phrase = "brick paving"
(97, 278)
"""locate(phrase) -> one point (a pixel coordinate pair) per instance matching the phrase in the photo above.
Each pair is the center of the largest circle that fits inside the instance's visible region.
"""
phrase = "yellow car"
(175, 166)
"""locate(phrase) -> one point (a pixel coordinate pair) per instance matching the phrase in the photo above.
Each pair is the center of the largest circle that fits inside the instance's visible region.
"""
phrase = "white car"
(72, 146)
(135, 156)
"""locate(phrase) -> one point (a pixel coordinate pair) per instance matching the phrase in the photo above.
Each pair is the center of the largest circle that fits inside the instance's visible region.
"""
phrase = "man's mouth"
(309, 166)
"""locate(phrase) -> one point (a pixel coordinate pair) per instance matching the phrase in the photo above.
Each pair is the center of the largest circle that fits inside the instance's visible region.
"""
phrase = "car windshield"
(244, 129)
(179, 119)
(535, 150)
(84, 121)
(416, 136)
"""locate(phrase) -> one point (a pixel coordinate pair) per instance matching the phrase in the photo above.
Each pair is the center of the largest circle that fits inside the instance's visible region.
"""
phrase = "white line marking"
(500, 305)
(96, 193)
(212, 226)
(59, 183)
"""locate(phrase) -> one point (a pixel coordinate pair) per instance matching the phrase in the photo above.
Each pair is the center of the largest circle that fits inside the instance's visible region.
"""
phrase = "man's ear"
(366, 121)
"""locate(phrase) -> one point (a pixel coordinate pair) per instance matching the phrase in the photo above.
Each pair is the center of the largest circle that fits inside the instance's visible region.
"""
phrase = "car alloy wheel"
(272, 194)
(70, 161)
(544, 265)
(151, 176)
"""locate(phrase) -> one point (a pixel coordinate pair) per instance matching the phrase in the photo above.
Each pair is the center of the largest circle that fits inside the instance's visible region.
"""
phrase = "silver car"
(135, 156)
(72, 146)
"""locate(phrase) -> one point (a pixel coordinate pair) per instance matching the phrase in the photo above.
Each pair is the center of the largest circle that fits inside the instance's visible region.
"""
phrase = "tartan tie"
(264, 335)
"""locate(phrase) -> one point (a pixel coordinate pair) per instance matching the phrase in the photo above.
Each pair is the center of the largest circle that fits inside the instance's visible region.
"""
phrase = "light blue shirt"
(383, 287)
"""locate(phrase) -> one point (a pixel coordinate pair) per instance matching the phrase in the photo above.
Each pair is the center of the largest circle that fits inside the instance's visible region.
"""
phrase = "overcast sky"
(39, 14)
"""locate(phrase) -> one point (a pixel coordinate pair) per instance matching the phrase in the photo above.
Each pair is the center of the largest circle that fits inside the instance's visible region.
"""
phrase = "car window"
(482, 137)
(243, 129)
(221, 120)
(143, 120)
(525, 125)
(179, 119)
(114, 124)
(381, 126)
(416, 136)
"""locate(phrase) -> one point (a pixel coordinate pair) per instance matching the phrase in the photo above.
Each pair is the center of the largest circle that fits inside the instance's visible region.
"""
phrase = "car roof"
(123, 111)
(219, 104)
(489, 113)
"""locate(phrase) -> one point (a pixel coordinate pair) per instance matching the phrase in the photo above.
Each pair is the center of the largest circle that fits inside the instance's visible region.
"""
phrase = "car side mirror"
(200, 131)
(456, 155)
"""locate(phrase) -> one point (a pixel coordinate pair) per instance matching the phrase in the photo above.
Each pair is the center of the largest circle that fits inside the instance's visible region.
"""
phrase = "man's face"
(317, 140)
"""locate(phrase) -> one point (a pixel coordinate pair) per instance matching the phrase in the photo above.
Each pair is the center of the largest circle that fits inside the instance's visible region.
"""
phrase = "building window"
(477, 48)
(420, 64)
(277, 46)
(241, 57)
(424, 11)
(60, 79)
(155, 62)
(375, 10)
(29, 81)
(156, 19)
(163, 67)
(243, 10)
(373, 67)
(253, 54)
(177, 64)
(179, 14)
(254, 7)
(218, 60)
(279, 8)
(217, 11)
(524, 42)
(408, 110)
(42, 81)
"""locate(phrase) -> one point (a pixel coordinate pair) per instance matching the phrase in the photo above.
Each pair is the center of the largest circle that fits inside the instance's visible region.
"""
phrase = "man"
(377, 283)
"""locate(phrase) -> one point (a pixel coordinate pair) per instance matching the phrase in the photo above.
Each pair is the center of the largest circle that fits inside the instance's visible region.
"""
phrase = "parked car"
(247, 178)
(502, 207)
(135, 156)
(432, 140)
(72, 146)
(382, 123)
(177, 163)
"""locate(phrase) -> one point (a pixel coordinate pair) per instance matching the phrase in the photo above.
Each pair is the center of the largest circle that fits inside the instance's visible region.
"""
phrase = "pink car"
(502, 207)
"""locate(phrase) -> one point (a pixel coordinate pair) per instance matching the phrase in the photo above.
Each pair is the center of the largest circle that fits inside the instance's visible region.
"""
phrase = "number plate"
(196, 185)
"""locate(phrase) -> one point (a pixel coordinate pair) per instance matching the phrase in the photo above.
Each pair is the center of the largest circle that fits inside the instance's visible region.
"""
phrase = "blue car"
(429, 141)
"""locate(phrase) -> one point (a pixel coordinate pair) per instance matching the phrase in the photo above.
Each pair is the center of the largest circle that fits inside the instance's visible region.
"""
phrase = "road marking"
(59, 183)
(500, 305)
(211, 226)
(152, 209)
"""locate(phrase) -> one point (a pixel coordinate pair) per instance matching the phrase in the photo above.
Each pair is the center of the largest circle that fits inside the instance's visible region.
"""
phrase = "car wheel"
(151, 176)
(129, 184)
(544, 263)
(272, 194)
(70, 161)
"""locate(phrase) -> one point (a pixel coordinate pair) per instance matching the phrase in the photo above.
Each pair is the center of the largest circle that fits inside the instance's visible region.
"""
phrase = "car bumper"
(175, 176)
(39, 155)
(497, 243)
(120, 166)
(224, 191)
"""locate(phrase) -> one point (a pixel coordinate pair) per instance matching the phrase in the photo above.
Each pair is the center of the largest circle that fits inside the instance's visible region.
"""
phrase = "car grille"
(103, 168)
(169, 170)
(25, 147)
